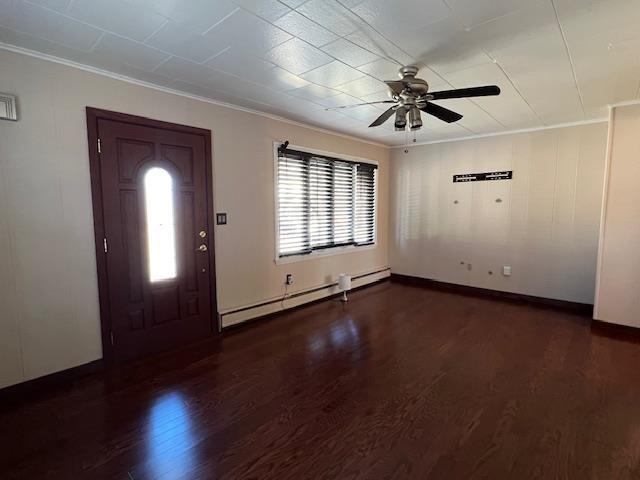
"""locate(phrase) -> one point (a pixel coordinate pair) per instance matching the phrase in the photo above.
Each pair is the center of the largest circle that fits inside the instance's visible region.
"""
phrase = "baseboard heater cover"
(242, 314)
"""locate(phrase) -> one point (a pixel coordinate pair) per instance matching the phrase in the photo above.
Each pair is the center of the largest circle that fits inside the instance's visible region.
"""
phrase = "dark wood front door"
(154, 193)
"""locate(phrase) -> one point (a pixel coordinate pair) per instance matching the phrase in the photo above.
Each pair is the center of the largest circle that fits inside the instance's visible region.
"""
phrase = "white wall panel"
(618, 293)
(49, 316)
(545, 225)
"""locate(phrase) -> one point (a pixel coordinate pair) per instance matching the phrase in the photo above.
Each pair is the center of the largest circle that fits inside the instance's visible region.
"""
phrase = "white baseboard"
(242, 314)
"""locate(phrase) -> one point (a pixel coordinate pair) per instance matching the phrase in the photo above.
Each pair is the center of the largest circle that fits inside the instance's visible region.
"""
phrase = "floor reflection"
(341, 335)
(170, 438)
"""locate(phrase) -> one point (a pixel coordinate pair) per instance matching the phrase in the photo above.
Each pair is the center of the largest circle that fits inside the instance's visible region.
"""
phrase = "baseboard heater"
(242, 314)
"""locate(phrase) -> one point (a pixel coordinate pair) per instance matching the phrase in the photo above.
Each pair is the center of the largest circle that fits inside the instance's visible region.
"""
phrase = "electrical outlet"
(506, 270)
(288, 279)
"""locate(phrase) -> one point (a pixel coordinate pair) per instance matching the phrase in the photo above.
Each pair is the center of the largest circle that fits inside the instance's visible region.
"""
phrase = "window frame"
(322, 252)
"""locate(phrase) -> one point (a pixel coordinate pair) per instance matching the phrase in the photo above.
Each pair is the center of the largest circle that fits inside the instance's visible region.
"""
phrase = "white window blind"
(324, 202)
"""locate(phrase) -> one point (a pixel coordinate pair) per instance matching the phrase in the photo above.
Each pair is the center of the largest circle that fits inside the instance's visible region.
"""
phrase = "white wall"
(545, 228)
(49, 317)
(618, 292)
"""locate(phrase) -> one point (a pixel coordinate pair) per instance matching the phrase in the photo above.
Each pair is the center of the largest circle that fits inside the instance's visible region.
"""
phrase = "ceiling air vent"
(8, 107)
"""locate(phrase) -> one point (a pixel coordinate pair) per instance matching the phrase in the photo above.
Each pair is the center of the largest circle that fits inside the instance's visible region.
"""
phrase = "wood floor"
(403, 382)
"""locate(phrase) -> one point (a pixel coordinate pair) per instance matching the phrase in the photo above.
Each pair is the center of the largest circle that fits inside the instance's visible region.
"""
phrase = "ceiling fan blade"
(359, 104)
(396, 86)
(466, 92)
(442, 113)
(384, 117)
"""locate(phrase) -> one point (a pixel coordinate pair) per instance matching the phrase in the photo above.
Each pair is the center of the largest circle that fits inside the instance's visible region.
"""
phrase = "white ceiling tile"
(245, 32)
(270, 10)
(241, 64)
(332, 15)
(364, 113)
(279, 79)
(48, 25)
(538, 16)
(196, 15)
(117, 16)
(509, 108)
(242, 50)
(475, 12)
(615, 20)
(58, 5)
(351, 3)
(340, 100)
(332, 74)
(537, 65)
(376, 97)
(287, 105)
(603, 41)
(458, 59)
(349, 53)
(370, 40)
(432, 41)
(198, 90)
(184, 70)
(293, 3)
(103, 61)
(231, 84)
(435, 129)
(149, 77)
(474, 118)
(363, 86)
(297, 56)
(392, 17)
(300, 26)
(130, 52)
(180, 41)
(382, 69)
(30, 42)
(314, 92)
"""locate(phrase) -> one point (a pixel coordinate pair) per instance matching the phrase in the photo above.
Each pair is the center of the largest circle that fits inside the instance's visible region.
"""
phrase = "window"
(158, 194)
(323, 202)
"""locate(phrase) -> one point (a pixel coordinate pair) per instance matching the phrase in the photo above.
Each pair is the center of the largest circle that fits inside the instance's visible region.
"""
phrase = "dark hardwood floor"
(402, 382)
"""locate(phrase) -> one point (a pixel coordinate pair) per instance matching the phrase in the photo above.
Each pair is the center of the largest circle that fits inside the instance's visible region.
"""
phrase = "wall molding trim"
(507, 132)
(19, 392)
(235, 316)
(626, 103)
(142, 83)
(603, 211)
(584, 309)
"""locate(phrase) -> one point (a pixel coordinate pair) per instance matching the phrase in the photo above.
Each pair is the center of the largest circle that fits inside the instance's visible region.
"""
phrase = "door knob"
(202, 248)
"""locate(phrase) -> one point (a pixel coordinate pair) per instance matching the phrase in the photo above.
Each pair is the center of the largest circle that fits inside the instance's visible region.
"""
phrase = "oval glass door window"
(161, 231)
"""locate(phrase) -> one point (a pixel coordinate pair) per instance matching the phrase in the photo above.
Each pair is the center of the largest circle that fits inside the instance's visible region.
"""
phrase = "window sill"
(324, 253)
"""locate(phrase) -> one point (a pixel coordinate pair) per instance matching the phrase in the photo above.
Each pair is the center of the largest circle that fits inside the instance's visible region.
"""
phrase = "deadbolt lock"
(202, 234)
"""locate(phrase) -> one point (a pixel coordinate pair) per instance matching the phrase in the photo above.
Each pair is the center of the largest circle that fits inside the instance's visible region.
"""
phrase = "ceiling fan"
(411, 95)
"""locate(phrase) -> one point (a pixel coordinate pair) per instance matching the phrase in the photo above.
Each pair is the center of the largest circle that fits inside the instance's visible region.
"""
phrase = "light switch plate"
(506, 270)
(8, 109)
(221, 218)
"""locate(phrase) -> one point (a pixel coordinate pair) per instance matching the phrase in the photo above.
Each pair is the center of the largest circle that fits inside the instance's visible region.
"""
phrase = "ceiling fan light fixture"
(401, 119)
(413, 96)
(415, 122)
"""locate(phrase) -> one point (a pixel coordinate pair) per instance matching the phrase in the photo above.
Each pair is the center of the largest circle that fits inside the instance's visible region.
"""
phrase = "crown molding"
(142, 83)
(508, 132)
(625, 104)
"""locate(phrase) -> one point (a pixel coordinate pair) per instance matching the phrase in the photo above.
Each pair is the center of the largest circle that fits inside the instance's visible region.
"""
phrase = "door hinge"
(99, 146)
(112, 339)
(104, 243)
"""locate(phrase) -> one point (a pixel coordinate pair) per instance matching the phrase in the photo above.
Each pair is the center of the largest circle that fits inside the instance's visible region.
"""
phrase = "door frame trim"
(93, 116)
